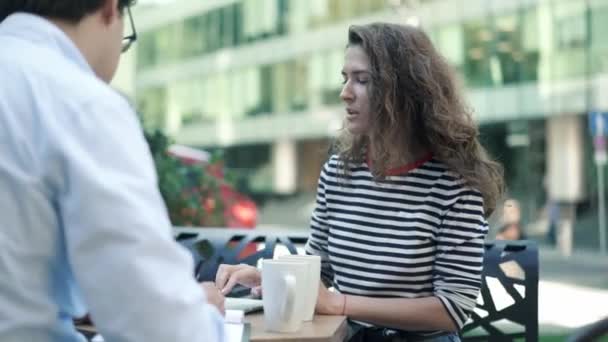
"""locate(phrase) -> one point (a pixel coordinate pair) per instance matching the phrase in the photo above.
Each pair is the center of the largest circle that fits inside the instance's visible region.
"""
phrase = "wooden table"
(321, 329)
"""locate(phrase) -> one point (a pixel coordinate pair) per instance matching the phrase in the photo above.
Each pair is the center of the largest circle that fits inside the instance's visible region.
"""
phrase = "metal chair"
(512, 265)
(211, 247)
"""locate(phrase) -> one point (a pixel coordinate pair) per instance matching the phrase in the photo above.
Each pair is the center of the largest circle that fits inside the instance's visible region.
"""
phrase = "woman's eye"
(363, 81)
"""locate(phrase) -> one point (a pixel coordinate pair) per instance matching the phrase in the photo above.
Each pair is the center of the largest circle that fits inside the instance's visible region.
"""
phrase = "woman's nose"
(346, 94)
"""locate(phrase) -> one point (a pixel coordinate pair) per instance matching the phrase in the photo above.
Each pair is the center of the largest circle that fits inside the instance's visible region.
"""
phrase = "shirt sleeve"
(136, 280)
(319, 231)
(459, 261)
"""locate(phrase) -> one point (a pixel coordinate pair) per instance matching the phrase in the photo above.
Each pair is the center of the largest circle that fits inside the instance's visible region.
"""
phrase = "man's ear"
(109, 11)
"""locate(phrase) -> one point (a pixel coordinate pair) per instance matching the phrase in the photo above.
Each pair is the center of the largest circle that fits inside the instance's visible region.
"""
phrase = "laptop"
(248, 305)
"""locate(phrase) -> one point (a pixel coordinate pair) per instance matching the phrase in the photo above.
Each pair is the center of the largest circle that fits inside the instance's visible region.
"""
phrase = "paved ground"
(562, 307)
(572, 291)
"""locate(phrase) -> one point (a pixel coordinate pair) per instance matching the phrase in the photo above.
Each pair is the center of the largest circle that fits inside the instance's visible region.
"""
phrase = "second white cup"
(311, 286)
(283, 283)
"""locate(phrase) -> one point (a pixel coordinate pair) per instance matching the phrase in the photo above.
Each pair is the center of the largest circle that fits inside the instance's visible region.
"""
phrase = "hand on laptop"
(229, 275)
(214, 296)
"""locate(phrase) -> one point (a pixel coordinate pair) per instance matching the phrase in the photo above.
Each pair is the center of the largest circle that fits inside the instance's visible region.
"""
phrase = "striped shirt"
(418, 233)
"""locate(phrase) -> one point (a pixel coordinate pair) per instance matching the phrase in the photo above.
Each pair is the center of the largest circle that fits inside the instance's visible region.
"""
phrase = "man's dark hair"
(69, 10)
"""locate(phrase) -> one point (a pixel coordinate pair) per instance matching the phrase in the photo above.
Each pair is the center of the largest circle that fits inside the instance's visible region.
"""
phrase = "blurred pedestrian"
(400, 216)
(510, 231)
(553, 217)
(511, 212)
(83, 223)
(511, 228)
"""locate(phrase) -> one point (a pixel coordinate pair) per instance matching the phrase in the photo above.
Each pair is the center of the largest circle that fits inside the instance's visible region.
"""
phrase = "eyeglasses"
(130, 39)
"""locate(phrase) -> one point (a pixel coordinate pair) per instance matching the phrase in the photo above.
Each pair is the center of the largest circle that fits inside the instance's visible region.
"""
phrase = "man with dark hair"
(83, 226)
(72, 11)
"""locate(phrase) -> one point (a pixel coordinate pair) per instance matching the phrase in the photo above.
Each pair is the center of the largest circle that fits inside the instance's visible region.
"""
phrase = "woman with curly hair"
(401, 209)
(400, 216)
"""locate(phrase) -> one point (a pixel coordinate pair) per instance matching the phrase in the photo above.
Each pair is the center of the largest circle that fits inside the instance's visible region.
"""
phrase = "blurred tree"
(191, 192)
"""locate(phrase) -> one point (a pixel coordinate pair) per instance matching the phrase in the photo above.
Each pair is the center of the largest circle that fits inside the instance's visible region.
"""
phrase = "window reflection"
(477, 43)
(244, 22)
(285, 87)
(544, 42)
(529, 45)
(570, 39)
(599, 43)
(508, 49)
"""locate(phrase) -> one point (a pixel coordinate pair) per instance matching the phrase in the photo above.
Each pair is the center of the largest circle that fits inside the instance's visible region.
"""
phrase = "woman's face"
(355, 92)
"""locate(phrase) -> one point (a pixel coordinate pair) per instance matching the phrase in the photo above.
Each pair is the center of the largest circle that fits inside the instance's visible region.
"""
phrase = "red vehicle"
(239, 210)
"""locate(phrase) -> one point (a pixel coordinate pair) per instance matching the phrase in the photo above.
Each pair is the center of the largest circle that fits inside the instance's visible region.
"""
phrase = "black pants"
(375, 334)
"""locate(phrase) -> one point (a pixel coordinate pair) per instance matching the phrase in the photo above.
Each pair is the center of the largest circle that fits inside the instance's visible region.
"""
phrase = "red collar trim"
(405, 168)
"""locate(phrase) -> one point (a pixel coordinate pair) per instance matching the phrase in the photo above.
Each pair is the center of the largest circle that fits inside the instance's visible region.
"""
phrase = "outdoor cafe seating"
(507, 308)
(510, 274)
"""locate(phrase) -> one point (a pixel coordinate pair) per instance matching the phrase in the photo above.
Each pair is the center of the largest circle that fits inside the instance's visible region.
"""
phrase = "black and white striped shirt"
(418, 233)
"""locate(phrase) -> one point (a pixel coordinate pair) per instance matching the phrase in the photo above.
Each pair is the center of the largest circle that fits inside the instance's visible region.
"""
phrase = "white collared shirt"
(81, 218)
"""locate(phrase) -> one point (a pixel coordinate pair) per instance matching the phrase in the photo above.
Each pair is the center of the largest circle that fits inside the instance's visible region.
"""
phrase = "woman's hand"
(229, 275)
(330, 303)
(214, 297)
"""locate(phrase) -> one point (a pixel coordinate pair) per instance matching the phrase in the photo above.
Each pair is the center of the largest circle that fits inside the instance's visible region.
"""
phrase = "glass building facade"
(245, 22)
(523, 64)
(542, 43)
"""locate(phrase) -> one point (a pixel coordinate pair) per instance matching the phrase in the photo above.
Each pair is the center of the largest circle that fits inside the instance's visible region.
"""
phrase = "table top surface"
(321, 328)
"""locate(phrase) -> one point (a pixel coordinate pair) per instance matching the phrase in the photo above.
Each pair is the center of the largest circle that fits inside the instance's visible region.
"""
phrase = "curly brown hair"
(415, 103)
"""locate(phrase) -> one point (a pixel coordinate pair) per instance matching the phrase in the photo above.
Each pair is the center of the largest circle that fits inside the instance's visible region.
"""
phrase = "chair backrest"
(508, 305)
(211, 247)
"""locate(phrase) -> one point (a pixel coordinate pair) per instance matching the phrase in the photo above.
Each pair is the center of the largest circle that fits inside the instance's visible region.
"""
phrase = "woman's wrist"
(339, 304)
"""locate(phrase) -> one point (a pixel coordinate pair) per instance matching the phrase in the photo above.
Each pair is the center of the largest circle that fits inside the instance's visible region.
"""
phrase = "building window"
(530, 55)
(569, 23)
(599, 43)
(449, 41)
(478, 38)
(152, 104)
(507, 49)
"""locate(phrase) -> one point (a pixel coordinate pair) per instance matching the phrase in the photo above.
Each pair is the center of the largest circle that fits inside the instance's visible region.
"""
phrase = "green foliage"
(192, 193)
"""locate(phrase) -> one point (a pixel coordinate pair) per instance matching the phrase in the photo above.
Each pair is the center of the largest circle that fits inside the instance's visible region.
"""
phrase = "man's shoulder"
(45, 71)
(75, 85)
